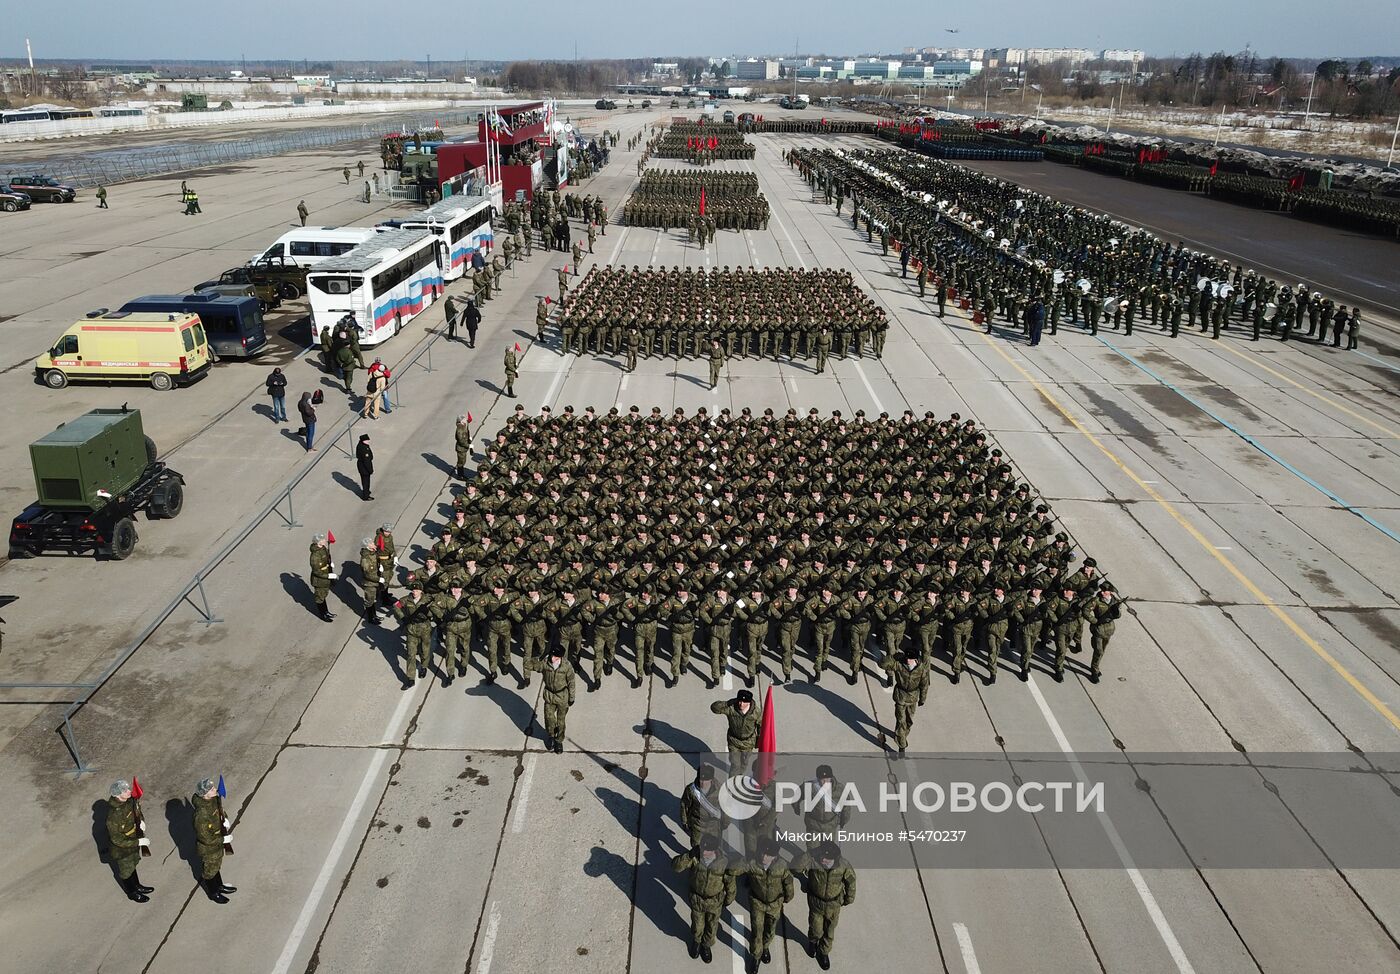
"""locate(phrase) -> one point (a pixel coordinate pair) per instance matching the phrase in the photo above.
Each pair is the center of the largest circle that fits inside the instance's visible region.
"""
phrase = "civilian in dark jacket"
(308, 419)
(364, 460)
(472, 318)
(277, 389)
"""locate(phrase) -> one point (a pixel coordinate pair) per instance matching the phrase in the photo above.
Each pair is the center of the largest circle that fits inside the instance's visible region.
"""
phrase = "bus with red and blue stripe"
(462, 225)
(384, 282)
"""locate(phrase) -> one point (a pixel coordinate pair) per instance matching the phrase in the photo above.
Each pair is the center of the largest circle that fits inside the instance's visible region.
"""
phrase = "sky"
(553, 29)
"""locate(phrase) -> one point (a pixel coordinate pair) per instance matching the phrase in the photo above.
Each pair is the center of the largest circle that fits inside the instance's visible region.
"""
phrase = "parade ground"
(1220, 485)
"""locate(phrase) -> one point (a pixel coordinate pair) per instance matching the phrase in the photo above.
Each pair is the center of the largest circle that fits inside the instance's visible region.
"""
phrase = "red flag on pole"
(517, 346)
(330, 537)
(767, 742)
(1213, 166)
(702, 200)
(136, 791)
(469, 417)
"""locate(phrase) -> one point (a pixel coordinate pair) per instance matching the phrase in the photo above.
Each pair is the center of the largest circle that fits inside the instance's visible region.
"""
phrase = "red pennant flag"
(469, 417)
(548, 299)
(517, 346)
(330, 537)
(767, 742)
(1213, 166)
(702, 200)
(379, 542)
(136, 791)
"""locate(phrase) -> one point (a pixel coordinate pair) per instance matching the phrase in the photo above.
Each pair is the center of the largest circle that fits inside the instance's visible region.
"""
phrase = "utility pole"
(1037, 104)
(1110, 118)
(1307, 111)
(1219, 125)
(1390, 159)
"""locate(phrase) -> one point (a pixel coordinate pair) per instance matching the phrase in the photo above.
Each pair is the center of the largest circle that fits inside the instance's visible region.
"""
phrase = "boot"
(767, 956)
(823, 961)
(140, 887)
(133, 892)
(218, 881)
(371, 615)
(693, 950)
(705, 955)
(325, 613)
(461, 473)
(214, 892)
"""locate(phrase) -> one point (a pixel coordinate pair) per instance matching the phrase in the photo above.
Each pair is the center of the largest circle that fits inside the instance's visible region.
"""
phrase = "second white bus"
(462, 225)
(308, 246)
(384, 282)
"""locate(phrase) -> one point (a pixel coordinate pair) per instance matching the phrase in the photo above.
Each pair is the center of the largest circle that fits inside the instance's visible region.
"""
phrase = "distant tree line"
(572, 77)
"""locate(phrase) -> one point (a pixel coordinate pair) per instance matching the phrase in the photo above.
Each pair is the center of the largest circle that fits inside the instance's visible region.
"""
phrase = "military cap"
(744, 696)
(828, 850)
(1061, 536)
(824, 771)
(366, 542)
(204, 786)
(1107, 587)
(709, 843)
(319, 538)
(768, 846)
(386, 526)
(860, 414)
(462, 418)
(912, 653)
(706, 773)
(1090, 563)
(120, 786)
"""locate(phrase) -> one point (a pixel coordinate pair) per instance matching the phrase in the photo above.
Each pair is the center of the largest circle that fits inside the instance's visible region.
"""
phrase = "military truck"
(93, 475)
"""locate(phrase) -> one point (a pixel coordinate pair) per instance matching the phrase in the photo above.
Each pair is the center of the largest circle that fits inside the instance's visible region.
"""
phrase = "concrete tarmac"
(382, 828)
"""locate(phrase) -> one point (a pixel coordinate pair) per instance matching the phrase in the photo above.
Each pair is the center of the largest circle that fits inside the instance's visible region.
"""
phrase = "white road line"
(1221, 547)
(625, 379)
(558, 380)
(517, 823)
(1149, 902)
(488, 942)
(792, 382)
(318, 889)
(727, 681)
(969, 955)
(621, 239)
(795, 255)
(870, 389)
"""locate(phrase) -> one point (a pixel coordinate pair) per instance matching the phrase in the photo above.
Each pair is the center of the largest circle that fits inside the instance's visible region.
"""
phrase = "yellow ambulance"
(165, 350)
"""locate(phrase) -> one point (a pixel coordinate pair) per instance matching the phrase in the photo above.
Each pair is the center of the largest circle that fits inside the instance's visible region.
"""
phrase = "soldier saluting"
(744, 717)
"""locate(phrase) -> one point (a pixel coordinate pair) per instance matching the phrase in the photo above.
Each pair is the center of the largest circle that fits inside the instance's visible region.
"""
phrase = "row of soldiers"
(679, 311)
(1002, 248)
(700, 142)
(587, 524)
(672, 198)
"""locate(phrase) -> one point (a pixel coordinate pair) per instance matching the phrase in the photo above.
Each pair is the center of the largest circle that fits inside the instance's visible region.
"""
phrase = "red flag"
(379, 542)
(767, 742)
(469, 417)
(1213, 166)
(702, 200)
(136, 791)
(517, 346)
(548, 299)
(330, 537)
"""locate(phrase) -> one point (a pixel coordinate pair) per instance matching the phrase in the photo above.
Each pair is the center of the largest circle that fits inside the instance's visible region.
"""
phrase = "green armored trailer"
(93, 474)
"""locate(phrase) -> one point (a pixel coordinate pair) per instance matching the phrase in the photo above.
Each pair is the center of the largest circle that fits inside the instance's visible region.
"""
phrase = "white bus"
(384, 282)
(308, 246)
(462, 224)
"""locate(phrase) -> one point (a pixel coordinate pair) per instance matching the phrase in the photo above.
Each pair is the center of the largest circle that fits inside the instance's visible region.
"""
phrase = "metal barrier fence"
(122, 165)
(193, 592)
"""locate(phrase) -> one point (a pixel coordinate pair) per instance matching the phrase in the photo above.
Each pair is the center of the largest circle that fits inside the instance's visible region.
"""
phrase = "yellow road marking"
(1205, 543)
(1253, 360)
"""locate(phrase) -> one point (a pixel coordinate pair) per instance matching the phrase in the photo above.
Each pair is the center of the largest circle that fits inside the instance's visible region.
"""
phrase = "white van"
(308, 246)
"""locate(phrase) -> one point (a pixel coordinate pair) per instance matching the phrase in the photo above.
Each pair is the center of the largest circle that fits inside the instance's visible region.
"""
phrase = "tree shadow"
(840, 708)
(179, 821)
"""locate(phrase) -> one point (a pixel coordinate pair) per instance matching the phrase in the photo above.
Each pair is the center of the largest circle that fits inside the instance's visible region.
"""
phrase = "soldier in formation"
(670, 198)
(893, 535)
(125, 835)
(999, 246)
(767, 313)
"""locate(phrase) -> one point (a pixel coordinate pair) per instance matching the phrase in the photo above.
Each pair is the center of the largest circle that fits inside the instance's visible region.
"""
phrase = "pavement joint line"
(1191, 529)
(488, 942)
(1149, 902)
(342, 838)
(1327, 492)
(1254, 360)
(527, 778)
(969, 955)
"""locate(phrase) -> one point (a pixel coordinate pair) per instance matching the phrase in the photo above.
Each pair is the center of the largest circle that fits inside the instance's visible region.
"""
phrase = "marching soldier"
(463, 437)
(1102, 613)
(512, 372)
(388, 561)
(717, 613)
(716, 362)
(419, 615)
(531, 614)
(712, 888)
(770, 888)
(369, 580)
(456, 621)
(744, 718)
(831, 884)
(557, 674)
(754, 614)
(125, 834)
(700, 810)
(911, 681)
(494, 608)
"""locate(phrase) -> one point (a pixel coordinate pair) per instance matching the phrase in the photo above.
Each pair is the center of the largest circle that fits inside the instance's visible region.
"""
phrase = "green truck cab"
(93, 475)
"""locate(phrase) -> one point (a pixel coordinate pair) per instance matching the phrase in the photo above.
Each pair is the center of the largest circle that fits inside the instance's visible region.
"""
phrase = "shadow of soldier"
(99, 839)
(179, 820)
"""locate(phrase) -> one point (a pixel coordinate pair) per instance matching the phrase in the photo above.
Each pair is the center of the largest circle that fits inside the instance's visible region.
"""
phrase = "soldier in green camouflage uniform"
(557, 674)
(124, 835)
(712, 888)
(831, 884)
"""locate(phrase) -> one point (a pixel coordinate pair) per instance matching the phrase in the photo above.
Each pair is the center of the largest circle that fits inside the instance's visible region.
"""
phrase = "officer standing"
(102, 198)
(364, 464)
(322, 574)
(472, 317)
(910, 693)
(716, 362)
(209, 832)
(303, 212)
(770, 888)
(831, 884)
(512, 372)
(711, 890)
(559, 694)
(463, 437)
(125, 833)
(744, 718)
